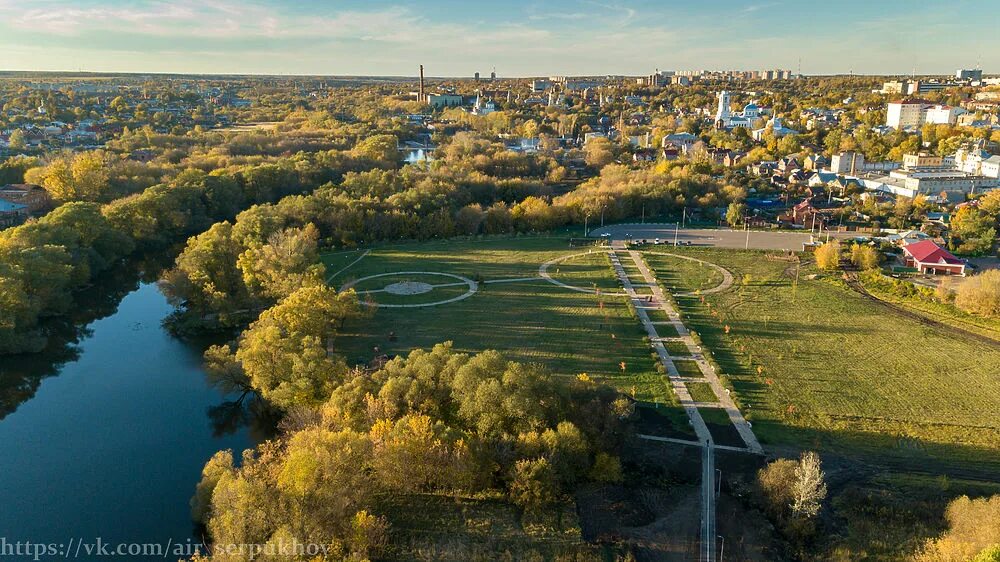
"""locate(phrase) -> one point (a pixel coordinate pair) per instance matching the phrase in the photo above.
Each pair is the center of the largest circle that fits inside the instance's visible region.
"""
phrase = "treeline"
(434, 422)
(43, 261)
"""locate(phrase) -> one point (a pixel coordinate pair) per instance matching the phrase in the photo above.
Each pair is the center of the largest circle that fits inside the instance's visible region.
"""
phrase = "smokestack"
(421, 82)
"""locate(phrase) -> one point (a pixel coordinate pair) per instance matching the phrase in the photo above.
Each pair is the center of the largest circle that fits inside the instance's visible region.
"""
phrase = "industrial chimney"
(421, 82)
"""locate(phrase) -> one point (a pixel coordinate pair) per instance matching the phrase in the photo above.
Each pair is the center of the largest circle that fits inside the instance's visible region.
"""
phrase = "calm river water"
(106, 437)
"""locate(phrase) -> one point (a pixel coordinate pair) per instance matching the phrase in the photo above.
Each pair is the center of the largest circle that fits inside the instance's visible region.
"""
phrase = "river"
(106, 435)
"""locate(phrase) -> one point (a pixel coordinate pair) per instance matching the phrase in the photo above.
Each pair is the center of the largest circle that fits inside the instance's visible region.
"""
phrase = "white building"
(926, 174)
(483, 107)
(854, 163)
(912, 114)
(991, 167)
(726, 119)
(970, 74)
(444, 100)
(774, 124)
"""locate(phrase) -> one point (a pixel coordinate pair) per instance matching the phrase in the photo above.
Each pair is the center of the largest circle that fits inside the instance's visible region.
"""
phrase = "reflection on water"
(105, 432)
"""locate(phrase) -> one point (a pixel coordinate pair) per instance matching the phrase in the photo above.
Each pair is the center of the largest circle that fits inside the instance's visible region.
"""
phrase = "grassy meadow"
(530, 320)
(817, 365)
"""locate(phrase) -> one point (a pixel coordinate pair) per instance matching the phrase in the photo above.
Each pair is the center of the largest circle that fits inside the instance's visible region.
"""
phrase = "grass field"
(819, 365)
(680, 275)
(568, 331)
(437, 527)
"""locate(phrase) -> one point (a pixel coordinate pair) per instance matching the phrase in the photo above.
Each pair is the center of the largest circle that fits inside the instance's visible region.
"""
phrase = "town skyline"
(526, 39)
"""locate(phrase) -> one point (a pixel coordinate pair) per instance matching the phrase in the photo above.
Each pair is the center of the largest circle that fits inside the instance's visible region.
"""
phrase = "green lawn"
(680, 275)
(568, 331)
(843, 372)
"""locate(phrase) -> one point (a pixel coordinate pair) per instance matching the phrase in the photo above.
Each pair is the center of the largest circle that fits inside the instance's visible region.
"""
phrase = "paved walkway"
(662, 303)
(678, 383)
(688, 403)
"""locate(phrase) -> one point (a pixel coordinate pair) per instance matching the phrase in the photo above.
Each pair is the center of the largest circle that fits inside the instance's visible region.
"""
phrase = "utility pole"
(643, 213)
(585, 219)
(684, 217)
(676, 232)
(748, 235)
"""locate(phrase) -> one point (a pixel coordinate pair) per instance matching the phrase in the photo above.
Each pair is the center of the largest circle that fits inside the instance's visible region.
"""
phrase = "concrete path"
(659, 301)
(348, 266)
(688, 403)
(725, 401)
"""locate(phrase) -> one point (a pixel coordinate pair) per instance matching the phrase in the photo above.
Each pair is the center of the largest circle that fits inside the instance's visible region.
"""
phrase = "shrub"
(980, 294)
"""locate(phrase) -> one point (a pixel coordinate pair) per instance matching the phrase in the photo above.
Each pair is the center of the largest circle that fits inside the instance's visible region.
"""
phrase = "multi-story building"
(927, 174)
(971, 75)
(911, 114)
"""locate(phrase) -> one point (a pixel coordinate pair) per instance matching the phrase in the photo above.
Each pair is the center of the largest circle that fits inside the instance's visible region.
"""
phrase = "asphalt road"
(722, 238)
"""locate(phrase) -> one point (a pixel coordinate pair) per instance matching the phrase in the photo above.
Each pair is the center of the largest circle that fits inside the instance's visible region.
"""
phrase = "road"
(708, 504)
(721, 237)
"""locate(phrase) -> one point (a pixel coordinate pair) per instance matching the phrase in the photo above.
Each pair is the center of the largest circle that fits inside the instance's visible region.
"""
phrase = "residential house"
(787, 164)
(733, 159)
(928, 257)
(907, 237)
(815, 162)
(12, 214)
(34, 198)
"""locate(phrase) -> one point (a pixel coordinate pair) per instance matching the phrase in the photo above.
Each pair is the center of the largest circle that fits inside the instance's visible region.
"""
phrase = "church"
(726, 119)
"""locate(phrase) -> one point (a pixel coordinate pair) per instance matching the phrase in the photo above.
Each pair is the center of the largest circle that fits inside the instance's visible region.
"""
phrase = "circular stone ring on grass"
(543, 270)
(406, 288)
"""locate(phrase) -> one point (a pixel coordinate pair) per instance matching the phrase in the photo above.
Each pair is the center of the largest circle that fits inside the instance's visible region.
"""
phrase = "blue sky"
(519, 38)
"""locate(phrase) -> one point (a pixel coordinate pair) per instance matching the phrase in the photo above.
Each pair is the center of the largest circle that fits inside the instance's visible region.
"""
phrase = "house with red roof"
(928, 257)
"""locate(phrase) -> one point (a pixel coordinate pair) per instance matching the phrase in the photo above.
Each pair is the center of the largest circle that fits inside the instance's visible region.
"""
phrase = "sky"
(518, 38)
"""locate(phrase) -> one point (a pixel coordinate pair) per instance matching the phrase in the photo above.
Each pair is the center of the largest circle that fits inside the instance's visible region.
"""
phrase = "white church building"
(726, 119)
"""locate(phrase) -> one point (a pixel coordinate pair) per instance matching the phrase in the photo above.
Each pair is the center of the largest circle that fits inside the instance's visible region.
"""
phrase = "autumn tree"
(980, 294)
(598, 152)
(17, 140)
(735, 214)
(287, 262)
(80, 177)
(285, 352)
(864, 256)
(973, 530)
(828, 256)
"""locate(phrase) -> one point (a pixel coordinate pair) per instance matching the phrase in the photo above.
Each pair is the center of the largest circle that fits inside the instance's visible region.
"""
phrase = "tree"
(220, 464)
(775, 485)
(790, 489)
(285, 352)
(288, 262)
(80, 177)
(735, 214)
(598, 152)
(973, 530)
(533, 484)
(205, 277)
(828, 256)
(980, 294)
(810, 486)
(17, 140)
(864, 256)
(383, 149)
(973, 231)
